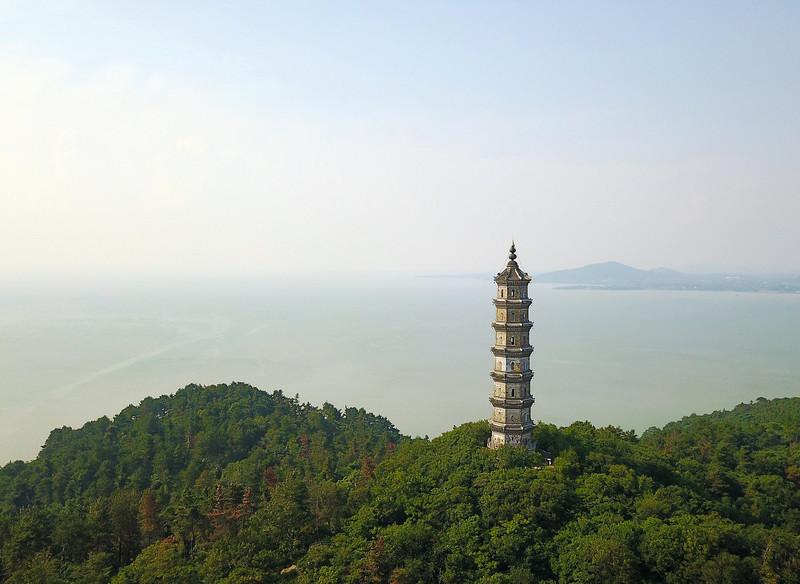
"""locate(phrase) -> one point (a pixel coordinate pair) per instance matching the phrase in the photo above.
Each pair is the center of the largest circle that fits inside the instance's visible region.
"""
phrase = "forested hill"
(197, 436)
(183, 468)
(758, 415)
(232, 485)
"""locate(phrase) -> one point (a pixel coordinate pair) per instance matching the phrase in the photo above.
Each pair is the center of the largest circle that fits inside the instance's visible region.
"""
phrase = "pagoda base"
(499, 439)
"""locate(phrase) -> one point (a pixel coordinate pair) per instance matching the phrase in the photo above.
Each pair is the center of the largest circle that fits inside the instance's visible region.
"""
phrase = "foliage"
(198, 470)
(232, 485)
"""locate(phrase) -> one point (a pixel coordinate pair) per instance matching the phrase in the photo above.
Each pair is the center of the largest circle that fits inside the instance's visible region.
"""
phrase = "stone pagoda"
(511, 398)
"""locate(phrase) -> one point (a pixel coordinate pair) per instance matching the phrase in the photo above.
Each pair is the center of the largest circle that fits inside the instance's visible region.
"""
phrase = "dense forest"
(229, 484)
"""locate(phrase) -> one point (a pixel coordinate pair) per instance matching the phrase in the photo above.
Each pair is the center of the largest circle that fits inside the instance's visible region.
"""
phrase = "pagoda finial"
(512, 252)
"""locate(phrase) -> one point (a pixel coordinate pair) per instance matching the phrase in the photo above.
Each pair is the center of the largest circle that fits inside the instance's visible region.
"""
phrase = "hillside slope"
(229, 484)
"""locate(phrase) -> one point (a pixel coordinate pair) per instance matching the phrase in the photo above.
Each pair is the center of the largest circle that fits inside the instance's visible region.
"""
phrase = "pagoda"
(511, 399)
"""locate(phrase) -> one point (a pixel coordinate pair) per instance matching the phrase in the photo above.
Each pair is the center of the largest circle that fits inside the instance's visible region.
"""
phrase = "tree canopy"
(230, 484)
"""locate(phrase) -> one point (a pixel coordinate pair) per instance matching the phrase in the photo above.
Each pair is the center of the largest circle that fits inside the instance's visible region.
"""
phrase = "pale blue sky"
(199, 137)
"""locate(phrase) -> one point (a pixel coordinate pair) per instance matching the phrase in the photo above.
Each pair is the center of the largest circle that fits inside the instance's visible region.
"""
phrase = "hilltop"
(230, 484)
(617, 276)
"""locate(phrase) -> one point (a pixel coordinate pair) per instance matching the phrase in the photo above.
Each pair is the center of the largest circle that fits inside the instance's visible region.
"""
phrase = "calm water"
(413, 349)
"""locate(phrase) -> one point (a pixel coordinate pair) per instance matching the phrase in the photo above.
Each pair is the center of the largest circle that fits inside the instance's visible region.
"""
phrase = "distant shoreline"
(617, 276)
(787, 290)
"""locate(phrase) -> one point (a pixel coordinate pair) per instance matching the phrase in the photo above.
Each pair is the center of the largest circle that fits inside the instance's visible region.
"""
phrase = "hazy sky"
(203, 137)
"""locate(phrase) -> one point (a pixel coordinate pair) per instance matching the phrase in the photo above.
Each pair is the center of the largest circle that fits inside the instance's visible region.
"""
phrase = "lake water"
(415, 350)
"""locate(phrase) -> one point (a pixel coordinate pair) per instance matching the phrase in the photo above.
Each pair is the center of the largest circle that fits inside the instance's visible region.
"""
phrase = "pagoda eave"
(512, 302)
(511, 402)
(505, 325)
(511, 376)
(512, 351)
(511, 428)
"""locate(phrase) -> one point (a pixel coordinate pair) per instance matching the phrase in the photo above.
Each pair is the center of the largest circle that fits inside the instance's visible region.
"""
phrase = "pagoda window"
(513, 293)
(512, 340)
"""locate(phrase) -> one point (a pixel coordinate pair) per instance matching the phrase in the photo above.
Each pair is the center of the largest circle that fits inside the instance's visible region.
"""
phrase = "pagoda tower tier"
(511, 398)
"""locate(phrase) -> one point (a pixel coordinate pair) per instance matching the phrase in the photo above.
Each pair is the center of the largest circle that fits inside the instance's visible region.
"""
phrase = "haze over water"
(415, 350)
(257, 138)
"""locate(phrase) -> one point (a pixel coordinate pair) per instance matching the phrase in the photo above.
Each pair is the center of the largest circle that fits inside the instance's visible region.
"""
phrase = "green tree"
(162, 562)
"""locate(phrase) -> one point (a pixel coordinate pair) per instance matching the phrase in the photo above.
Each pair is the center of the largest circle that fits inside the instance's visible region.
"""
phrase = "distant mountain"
(617, 276)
